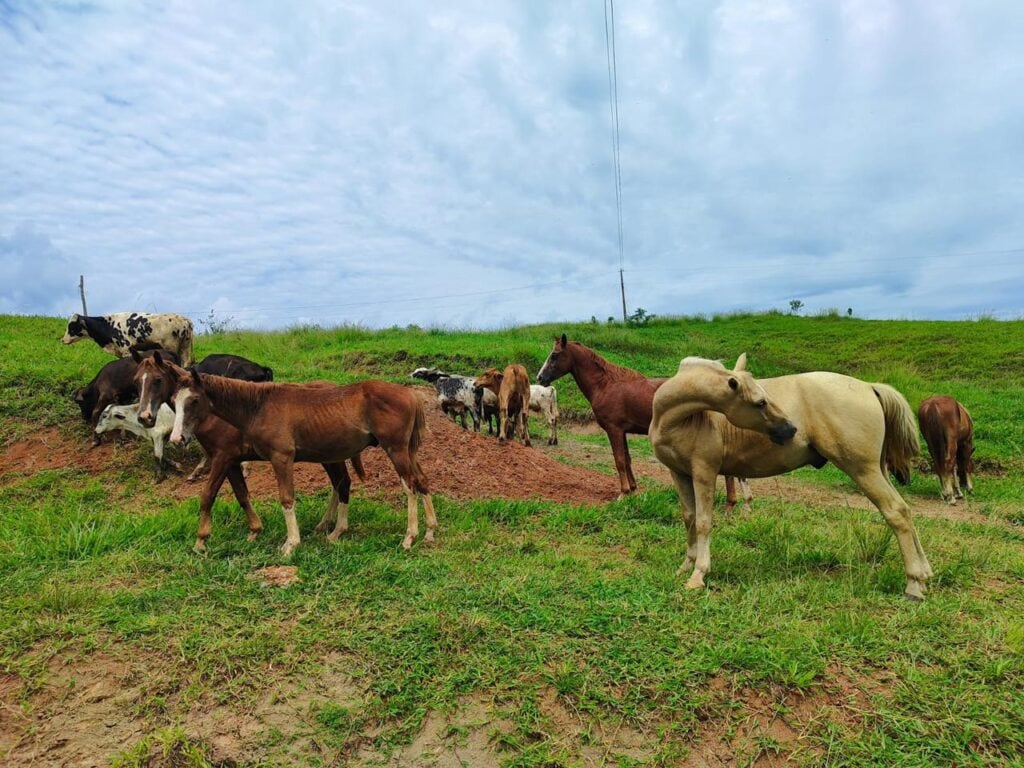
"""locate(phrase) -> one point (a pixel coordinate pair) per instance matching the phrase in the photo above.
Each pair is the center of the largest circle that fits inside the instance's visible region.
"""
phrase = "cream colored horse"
(855, 425)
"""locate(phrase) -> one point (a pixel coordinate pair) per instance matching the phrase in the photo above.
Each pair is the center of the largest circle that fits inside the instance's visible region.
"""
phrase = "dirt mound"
(460, 464)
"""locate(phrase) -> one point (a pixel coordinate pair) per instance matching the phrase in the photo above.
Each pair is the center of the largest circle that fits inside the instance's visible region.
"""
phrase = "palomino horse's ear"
(741, 363)
(733, 384)
(564, 341)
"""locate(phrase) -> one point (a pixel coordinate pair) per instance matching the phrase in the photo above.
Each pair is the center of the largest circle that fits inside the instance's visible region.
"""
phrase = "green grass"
(522, 602)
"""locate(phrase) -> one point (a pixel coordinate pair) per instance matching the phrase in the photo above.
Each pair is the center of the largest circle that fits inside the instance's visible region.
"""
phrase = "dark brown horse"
(285, 423)
(621, 399)
(949, 433)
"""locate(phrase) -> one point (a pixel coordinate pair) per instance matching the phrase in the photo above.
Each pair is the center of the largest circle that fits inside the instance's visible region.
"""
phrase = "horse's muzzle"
(782, 433)
(147, 419)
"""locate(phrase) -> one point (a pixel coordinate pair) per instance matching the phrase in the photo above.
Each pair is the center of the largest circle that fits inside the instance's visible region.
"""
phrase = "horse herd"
(704, 421)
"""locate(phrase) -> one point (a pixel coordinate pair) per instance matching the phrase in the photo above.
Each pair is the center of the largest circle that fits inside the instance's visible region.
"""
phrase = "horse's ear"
(196, 381)
(741, 363)
(733, 384)
(136, 356)
(157, 359)
(564, 341)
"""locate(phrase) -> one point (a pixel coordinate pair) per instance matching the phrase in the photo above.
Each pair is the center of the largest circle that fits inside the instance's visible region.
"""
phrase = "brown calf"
(513, 390)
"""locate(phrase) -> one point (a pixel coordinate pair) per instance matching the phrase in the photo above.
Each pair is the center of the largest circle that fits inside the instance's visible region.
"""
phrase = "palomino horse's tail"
(900, 445)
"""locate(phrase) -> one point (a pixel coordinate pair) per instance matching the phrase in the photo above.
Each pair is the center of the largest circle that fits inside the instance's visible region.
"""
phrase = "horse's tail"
(357, 466)
(419, 428)
(934, 432)
(900, 444)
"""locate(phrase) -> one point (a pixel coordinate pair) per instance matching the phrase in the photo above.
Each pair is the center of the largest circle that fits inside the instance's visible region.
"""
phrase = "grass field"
(535, 633)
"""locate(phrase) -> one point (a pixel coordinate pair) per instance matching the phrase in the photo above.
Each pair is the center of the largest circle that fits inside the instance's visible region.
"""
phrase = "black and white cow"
(123, 332)
(455, 394)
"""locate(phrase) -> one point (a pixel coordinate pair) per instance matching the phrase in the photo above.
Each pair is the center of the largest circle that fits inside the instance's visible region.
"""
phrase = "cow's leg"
(617, 438)
(502, 423)
(201, 467)
(523, 415)
(284, 468)
(963, 463)
(158, 455)
(241, 489)
(553, 426)
(949, 470)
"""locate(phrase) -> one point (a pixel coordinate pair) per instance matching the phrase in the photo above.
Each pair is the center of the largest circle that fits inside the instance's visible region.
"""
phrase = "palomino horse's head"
(558, 364)
(154, 378)
(489, 379)
(742, 400)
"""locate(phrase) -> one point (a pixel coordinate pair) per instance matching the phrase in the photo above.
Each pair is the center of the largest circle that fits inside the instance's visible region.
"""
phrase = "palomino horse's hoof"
(287, 549)
(407, 542)
(913, 598)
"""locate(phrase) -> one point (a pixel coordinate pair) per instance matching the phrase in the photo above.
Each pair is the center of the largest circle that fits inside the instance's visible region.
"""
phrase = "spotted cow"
(123, 332)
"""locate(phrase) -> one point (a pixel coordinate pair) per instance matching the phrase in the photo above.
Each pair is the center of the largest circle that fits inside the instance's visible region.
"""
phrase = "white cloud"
(392, 163)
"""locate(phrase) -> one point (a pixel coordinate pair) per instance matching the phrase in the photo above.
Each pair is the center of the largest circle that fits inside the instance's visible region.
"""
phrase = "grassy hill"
(535, 633)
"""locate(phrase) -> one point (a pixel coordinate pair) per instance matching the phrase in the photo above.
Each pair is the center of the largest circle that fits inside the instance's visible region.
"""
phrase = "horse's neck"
(237, 402)
(683, 402)
(591, 372)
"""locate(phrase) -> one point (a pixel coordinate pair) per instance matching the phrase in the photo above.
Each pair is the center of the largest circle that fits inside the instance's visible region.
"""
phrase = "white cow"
(544, 400)
(126, 417)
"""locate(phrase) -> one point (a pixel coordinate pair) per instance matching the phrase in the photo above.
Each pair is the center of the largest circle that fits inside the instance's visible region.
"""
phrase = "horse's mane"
(716, 364)
(609, 369)
(248, 395)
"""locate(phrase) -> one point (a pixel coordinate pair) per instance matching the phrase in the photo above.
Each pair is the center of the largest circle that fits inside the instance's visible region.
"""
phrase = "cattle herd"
(704, 421)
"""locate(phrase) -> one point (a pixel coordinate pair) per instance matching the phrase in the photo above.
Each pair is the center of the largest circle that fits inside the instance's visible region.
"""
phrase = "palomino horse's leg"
(617, 438)
(284, 471)
(704, 498)
(897, 513)
(237, 479)
(684, 487)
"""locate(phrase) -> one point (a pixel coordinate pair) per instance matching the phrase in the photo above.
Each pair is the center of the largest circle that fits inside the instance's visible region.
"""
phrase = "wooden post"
(81, 292)
(622, 285)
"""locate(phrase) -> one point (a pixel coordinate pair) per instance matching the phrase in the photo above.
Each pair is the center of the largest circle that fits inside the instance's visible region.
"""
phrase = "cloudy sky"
(450, 164)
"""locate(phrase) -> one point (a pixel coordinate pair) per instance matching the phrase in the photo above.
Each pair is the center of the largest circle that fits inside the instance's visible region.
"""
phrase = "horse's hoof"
(333, 536)
(287, 549)
(696, 581)
(199, 547)
(252, 536)
(428, 537)
(321, 527)
(407, 543)
(913, 598)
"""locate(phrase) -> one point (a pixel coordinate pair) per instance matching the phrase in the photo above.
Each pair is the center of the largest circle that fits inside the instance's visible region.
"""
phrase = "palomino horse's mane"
(608, 368)
(716, 364)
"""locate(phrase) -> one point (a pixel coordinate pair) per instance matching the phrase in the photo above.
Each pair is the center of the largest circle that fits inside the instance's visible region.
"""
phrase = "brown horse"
(949, 433)
(225, 454)
(621, 399)
(285, 423)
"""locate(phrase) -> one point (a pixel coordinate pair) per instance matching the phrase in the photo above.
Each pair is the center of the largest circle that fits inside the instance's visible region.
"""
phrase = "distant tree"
(849, 311)
(640, 317)
(593, 319)
(611, 320)
(795, 305)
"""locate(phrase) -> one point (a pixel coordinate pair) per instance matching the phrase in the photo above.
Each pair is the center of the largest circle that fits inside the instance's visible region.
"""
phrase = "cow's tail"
(900, 444)
(554, 403)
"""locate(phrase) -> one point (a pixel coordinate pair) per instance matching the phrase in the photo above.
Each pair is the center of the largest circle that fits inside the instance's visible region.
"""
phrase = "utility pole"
(622, 285)
(81, 292)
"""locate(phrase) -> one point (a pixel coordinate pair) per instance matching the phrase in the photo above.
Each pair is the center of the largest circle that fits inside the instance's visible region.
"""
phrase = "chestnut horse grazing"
(949, 433)
(285, 423)
(783, 423)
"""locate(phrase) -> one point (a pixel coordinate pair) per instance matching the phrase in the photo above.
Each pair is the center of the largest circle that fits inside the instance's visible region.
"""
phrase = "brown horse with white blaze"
(949, 434)
(285, 423)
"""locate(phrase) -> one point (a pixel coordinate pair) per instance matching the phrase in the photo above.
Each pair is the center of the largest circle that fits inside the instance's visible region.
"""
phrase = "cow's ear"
(564, 341)
(136, 356)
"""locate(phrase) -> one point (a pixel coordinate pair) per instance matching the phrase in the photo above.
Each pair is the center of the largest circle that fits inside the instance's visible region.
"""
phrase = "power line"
(613, 106)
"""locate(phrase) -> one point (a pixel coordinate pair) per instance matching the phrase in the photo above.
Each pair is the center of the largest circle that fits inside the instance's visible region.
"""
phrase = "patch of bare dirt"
(460, 464)
(276, 576)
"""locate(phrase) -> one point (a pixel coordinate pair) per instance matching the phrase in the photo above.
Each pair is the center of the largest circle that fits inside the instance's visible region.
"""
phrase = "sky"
(268, 164)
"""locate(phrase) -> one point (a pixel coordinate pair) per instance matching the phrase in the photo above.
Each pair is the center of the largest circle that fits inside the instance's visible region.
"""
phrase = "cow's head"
(427, 374)
(490, 379)
(84, 402)
(76, 330)
(558, 364)
(154, 379)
